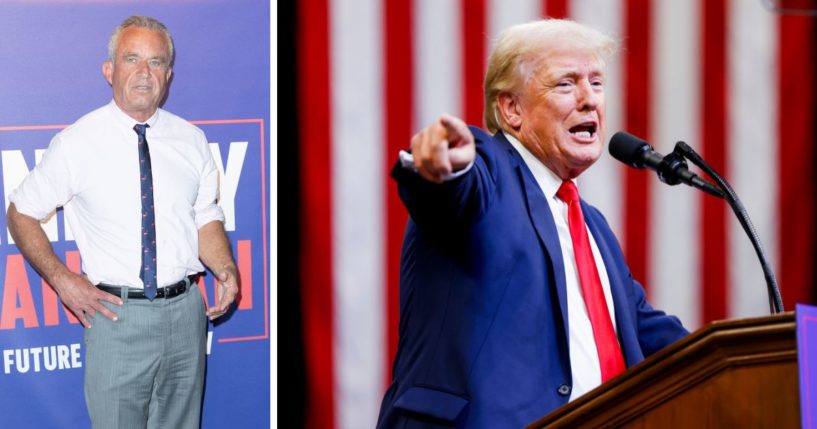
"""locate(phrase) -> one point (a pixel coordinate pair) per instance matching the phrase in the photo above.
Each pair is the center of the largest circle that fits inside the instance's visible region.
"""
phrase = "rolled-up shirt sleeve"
(206, 207)
(47, 186)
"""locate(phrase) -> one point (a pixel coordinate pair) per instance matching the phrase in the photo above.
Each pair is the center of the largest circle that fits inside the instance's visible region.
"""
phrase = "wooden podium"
(729, 374)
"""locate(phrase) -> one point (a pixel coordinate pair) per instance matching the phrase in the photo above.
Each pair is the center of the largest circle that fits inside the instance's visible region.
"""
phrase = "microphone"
(672, 169)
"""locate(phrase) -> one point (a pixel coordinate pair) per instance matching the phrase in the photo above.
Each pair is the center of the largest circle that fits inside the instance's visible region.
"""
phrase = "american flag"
(732, 78)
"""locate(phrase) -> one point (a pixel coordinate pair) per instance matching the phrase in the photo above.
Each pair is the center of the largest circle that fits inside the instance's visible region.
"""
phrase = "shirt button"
(564, 390)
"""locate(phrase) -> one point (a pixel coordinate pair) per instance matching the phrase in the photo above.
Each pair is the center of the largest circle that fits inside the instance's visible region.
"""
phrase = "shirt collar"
(548, 181)
(124, 119)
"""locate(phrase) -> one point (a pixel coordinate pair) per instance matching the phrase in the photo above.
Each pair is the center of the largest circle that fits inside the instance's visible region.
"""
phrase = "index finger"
(225, 301)
(105, 296)
(97, 305)
(455, 128)
(217, 311)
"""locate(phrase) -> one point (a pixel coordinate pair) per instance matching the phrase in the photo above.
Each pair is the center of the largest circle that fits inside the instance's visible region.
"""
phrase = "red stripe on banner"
(473, 58)
(796, 194)
(714, 240)
(314, 114)
(555, 9)
(637, 83)
(203, 289)
(398, 120)
(244, 261)
(16, 290)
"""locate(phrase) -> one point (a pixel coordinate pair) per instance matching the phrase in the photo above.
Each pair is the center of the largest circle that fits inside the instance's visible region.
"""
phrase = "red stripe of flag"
(398, 52)
(714, 239)
(637, 83)
(555, 9)
(472, 18)
(314, 112)
(796, 131)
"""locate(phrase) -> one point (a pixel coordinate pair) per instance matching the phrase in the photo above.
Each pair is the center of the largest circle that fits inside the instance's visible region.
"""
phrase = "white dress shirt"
(584, 359)
(91, 169)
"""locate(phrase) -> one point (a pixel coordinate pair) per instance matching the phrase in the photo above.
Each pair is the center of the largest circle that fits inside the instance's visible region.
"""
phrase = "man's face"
(561, 108)
(140, 71)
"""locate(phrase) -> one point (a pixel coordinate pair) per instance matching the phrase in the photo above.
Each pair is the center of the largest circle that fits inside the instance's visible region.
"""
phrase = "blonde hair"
(518, 48)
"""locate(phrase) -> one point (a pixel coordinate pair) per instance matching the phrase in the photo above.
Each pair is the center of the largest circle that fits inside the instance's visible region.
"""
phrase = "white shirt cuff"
(407, 162)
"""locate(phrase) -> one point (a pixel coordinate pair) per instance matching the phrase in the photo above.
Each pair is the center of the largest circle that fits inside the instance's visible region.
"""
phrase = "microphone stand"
(775, 302)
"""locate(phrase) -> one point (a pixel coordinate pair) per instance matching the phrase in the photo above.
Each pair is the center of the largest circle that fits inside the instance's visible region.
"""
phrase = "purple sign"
(807, 363)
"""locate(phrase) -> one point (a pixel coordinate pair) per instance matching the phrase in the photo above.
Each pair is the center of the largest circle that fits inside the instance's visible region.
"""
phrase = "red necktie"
(610, 358)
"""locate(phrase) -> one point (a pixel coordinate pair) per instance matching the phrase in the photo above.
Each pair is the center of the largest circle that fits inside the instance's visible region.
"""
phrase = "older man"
(139, 188)
(514, 296)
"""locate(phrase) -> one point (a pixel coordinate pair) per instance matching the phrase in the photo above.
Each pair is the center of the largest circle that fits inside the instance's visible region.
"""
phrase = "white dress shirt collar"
(547, 179)
(126, 120)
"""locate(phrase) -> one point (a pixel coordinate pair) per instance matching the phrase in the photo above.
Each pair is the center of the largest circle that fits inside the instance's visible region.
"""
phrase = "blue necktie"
(148, 270)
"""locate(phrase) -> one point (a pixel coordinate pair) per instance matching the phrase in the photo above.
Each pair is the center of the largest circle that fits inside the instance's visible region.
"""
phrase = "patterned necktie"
(609, 351)
(147, 272)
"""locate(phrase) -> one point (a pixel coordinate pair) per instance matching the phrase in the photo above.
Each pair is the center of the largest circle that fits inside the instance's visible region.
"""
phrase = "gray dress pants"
(146, 370)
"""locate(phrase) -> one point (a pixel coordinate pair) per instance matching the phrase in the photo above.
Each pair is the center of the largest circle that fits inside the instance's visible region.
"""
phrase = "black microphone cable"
(775, 301)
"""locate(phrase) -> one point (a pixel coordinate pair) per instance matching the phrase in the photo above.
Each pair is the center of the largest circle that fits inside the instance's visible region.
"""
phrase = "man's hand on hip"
(83, 298)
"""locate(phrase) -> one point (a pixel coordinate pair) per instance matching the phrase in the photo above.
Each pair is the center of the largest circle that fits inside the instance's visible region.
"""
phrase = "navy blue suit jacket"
(483, 306)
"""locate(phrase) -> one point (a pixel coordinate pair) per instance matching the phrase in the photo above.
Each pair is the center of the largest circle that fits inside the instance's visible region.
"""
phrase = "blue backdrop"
(50, 75)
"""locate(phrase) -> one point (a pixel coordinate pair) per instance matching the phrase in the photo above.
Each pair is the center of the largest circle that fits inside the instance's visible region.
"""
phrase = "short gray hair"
(518, 46)
(140, 22)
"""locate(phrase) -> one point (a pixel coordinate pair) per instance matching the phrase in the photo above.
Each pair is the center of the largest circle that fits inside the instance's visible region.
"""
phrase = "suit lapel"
(542, 220)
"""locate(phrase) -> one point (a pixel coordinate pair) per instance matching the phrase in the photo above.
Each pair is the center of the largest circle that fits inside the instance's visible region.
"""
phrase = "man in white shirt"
(514, 294)
(139, 189)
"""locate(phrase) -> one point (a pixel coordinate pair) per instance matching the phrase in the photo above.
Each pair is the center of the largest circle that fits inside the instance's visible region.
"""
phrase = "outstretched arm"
(75, 291)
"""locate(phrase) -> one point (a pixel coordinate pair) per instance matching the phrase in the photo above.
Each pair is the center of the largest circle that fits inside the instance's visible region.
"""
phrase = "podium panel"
(736, 373)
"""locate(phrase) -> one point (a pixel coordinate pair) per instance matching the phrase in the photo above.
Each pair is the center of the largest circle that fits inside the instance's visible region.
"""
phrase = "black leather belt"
(169, 291)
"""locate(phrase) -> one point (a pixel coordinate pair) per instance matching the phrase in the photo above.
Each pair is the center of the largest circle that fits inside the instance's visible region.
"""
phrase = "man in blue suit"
(514, 295)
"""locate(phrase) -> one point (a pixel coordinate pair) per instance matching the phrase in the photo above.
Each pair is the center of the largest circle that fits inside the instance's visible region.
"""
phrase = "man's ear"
(509, 109)
(107, 71)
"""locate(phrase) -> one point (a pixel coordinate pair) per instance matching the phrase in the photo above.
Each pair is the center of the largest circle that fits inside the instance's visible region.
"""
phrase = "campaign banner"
(50, 77)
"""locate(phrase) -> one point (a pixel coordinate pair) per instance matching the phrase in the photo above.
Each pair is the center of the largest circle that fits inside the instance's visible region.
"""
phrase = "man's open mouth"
(584, 130)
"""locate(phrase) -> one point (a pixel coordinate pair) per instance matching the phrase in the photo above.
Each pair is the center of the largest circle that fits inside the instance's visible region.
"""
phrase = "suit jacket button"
(564, 390)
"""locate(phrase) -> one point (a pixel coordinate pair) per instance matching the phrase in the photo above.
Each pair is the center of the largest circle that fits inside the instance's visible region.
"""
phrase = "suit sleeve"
(457, 202)
(656, 329)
